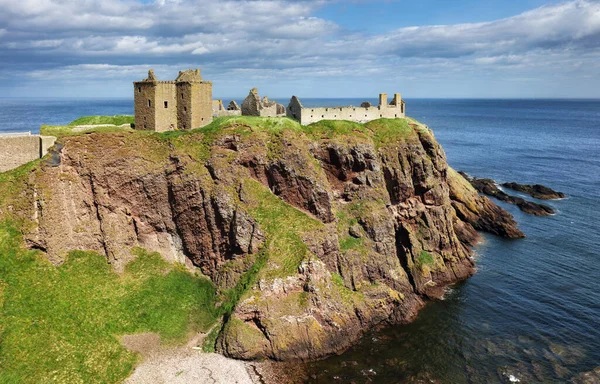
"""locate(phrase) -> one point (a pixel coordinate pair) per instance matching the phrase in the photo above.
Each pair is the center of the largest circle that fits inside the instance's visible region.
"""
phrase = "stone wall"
(144, 104)
(184, 106)
(16, 150)
(228, 113)
(201, 104)
(307, 116)
(166, 107)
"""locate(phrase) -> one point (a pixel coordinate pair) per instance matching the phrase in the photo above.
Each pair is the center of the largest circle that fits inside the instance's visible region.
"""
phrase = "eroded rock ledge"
(325, 230)
(490, 188)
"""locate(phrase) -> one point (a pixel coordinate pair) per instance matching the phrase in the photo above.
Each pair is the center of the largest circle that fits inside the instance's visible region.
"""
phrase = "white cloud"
(281, 39)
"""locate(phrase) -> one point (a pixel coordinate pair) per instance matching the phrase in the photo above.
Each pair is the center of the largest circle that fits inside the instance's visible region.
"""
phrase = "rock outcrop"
(322, 233)
(536, 191)
(591, 377)
(489, 187)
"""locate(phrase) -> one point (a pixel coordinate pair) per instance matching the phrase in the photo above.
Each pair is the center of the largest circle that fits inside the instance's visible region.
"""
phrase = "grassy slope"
(62, 323)
(67, 130)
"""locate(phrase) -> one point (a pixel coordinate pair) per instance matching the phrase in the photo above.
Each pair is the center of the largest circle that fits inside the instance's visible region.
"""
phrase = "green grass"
(96, 120)
(283, 226)
(249, 278)
(62, 324)
(424, 258)
(333, 128)
(67, 130)
(349, 242)
(61, 131)
(386, 131)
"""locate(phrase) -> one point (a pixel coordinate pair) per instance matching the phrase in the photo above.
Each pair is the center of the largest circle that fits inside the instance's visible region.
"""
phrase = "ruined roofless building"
(362, 114)
(253, 105)
(184, 103)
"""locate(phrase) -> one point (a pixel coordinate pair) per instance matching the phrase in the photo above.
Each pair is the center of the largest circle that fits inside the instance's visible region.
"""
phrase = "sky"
(308, 48)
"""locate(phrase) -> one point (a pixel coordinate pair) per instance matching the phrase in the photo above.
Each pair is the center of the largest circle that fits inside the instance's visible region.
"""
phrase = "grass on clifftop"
(95, 120)
(62, 324)
(67, 130)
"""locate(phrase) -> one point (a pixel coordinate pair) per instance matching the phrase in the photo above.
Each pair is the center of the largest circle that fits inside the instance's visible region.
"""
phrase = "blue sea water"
(533, 308)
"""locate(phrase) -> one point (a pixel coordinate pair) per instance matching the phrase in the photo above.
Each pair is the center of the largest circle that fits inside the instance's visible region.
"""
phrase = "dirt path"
(183, 365)
(189, 365)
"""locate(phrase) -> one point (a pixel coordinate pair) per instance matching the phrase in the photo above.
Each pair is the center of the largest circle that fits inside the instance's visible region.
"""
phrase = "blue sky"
(310, 48)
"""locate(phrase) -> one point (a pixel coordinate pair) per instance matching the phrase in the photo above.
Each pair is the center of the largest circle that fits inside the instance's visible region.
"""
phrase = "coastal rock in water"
(489, 187)
(591, 377)
(536, 191)
(478, 211)
(321, 234)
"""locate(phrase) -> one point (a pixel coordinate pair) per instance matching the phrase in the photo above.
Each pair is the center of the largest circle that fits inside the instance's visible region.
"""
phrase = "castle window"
(139, 89)
(322, 116)
(166, 104)
(350, 115)
(184, 109)
(396, 115)
(380, 115)
(334, 115)
(145, 126)
(149, 103)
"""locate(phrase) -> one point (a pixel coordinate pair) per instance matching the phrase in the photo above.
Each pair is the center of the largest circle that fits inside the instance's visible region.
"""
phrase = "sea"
(531, 313)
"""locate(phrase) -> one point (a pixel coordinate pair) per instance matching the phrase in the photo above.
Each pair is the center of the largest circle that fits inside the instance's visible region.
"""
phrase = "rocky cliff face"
(324, 231)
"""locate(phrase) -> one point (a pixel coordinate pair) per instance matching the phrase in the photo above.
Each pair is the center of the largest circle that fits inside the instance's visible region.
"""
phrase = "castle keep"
(364, 113)
(184, 103)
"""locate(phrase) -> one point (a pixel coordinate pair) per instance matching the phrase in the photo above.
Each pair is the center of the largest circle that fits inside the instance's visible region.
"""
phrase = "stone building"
(254, 106)
(183, 103)
(362, 114)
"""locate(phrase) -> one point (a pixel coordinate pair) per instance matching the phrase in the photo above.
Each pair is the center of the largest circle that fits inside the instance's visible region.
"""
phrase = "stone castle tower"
(184, 103)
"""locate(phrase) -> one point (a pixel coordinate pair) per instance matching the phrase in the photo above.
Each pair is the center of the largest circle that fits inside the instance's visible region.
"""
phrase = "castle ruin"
(253, 105)
(364, 113)
(184, 103)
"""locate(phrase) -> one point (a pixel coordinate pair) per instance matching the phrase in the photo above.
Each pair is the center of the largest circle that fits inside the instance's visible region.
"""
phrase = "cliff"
(310, 234)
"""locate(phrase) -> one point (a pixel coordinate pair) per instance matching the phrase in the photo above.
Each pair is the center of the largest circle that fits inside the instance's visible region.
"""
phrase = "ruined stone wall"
(269, 110)
(165, 101)
(184, 106)
(144, 101)
(228, 113)
(358, 114)
(16, 150)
